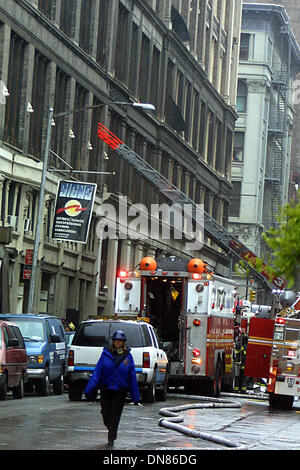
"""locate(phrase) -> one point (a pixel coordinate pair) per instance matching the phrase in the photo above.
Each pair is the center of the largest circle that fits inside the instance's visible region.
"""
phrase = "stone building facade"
(182, 57)
(293, 10)
(269, 64)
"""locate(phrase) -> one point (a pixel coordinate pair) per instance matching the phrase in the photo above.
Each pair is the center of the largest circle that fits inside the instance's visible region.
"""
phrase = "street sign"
(73, 211)
(26, 274)
(28, 257)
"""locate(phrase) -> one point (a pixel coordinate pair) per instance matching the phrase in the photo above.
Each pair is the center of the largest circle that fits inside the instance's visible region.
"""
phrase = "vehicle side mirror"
(13, 342)
(55, 338)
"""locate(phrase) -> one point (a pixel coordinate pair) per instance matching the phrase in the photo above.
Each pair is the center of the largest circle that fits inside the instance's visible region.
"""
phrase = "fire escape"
(278, 127)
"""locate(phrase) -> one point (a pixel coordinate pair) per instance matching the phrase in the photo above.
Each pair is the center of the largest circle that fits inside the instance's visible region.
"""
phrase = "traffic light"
(252, 295)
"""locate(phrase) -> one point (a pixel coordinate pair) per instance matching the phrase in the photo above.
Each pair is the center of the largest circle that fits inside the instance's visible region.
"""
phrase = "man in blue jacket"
(115, 376)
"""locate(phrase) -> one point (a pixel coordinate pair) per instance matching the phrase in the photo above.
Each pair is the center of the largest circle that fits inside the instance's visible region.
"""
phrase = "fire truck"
(192, 310)
(272, 337)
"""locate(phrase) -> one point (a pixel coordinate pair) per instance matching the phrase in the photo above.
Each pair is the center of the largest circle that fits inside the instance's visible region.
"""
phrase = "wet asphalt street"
(55, 423)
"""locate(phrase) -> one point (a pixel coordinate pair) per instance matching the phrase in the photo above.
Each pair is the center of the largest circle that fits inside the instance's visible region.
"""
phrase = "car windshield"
(69, 337)
(32, 330)
(99, 334)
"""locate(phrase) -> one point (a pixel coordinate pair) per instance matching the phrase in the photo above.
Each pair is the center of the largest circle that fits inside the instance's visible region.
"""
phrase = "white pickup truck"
(151, 362)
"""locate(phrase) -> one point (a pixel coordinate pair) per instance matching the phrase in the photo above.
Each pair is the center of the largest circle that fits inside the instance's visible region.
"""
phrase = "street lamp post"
(39, 217)
(32, 286)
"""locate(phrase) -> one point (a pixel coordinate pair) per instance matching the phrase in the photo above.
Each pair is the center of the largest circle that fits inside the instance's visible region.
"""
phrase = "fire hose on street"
(172, 419)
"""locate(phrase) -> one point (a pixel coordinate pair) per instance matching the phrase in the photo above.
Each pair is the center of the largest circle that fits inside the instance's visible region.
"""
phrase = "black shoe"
(110, 444)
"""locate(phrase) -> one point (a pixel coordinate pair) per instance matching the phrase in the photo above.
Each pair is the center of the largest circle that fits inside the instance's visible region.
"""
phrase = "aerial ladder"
(173, 195)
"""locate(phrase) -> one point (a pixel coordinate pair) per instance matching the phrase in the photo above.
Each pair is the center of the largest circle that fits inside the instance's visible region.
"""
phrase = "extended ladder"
(218, 234)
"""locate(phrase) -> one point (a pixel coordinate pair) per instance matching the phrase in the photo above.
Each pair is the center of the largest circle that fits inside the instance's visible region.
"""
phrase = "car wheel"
(43, 386)
(58, 385)
(149, 393)
(18, 392)
(75, 392)
(3, 387)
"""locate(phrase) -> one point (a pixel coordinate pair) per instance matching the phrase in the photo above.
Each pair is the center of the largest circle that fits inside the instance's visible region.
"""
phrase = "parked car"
(151, 362)
(13, 360)
(45, 342)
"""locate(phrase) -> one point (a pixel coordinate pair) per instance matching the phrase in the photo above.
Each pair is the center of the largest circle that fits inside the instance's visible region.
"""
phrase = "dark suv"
(13, 360)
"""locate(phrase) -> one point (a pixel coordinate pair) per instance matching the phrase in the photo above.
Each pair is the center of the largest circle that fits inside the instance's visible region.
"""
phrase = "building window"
(102, 33)
(144, 69)
(188, 107)
(60, 105)
(234, 209)
(195, 120)
(133, 57)
(45, 6)
(38, 102)
(14, 106)
(68, 17)
(241, 101)
(122, 41)
(85, 25)
(154, 77)
(238, 149)
(79, 127)
(244, 47)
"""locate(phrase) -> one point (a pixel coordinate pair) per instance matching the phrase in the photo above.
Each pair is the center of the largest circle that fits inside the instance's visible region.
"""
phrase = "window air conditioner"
(12, 220)
(27, 225)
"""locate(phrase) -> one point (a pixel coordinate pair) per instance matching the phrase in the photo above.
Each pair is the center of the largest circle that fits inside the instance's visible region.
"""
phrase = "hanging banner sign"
(251, 258)
(73, 211)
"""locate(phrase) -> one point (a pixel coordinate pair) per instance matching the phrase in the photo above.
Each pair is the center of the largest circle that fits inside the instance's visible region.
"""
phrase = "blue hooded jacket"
(107, 375)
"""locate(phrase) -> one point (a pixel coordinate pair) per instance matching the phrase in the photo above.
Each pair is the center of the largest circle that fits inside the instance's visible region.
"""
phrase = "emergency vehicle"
(273, 349)
(192, 310)
(284, 374)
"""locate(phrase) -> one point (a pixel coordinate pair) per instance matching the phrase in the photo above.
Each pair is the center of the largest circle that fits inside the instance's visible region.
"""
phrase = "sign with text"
(252, 259)
(28, 257)
(73, 211)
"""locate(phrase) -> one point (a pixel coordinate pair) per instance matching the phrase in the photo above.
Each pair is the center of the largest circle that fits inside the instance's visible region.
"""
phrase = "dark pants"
(112, 403)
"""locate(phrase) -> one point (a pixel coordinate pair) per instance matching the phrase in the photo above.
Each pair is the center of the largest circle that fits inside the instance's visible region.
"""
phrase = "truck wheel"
(216, 383)
(161, 394)
(3, 387)
(281, 402)
(58, 385)
(75, 392)
(149, 393)
(18, 392)
(43, 386)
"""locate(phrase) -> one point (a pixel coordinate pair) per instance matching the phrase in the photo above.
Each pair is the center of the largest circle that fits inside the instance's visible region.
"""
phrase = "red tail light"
(146, 360)
(71, 358)
(280, 320)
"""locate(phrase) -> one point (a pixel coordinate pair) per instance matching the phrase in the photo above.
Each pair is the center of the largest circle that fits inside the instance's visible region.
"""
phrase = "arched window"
(241, 101)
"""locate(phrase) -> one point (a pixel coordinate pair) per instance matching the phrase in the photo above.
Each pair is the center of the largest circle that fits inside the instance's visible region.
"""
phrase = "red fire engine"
(273, 349)
(193, 312)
